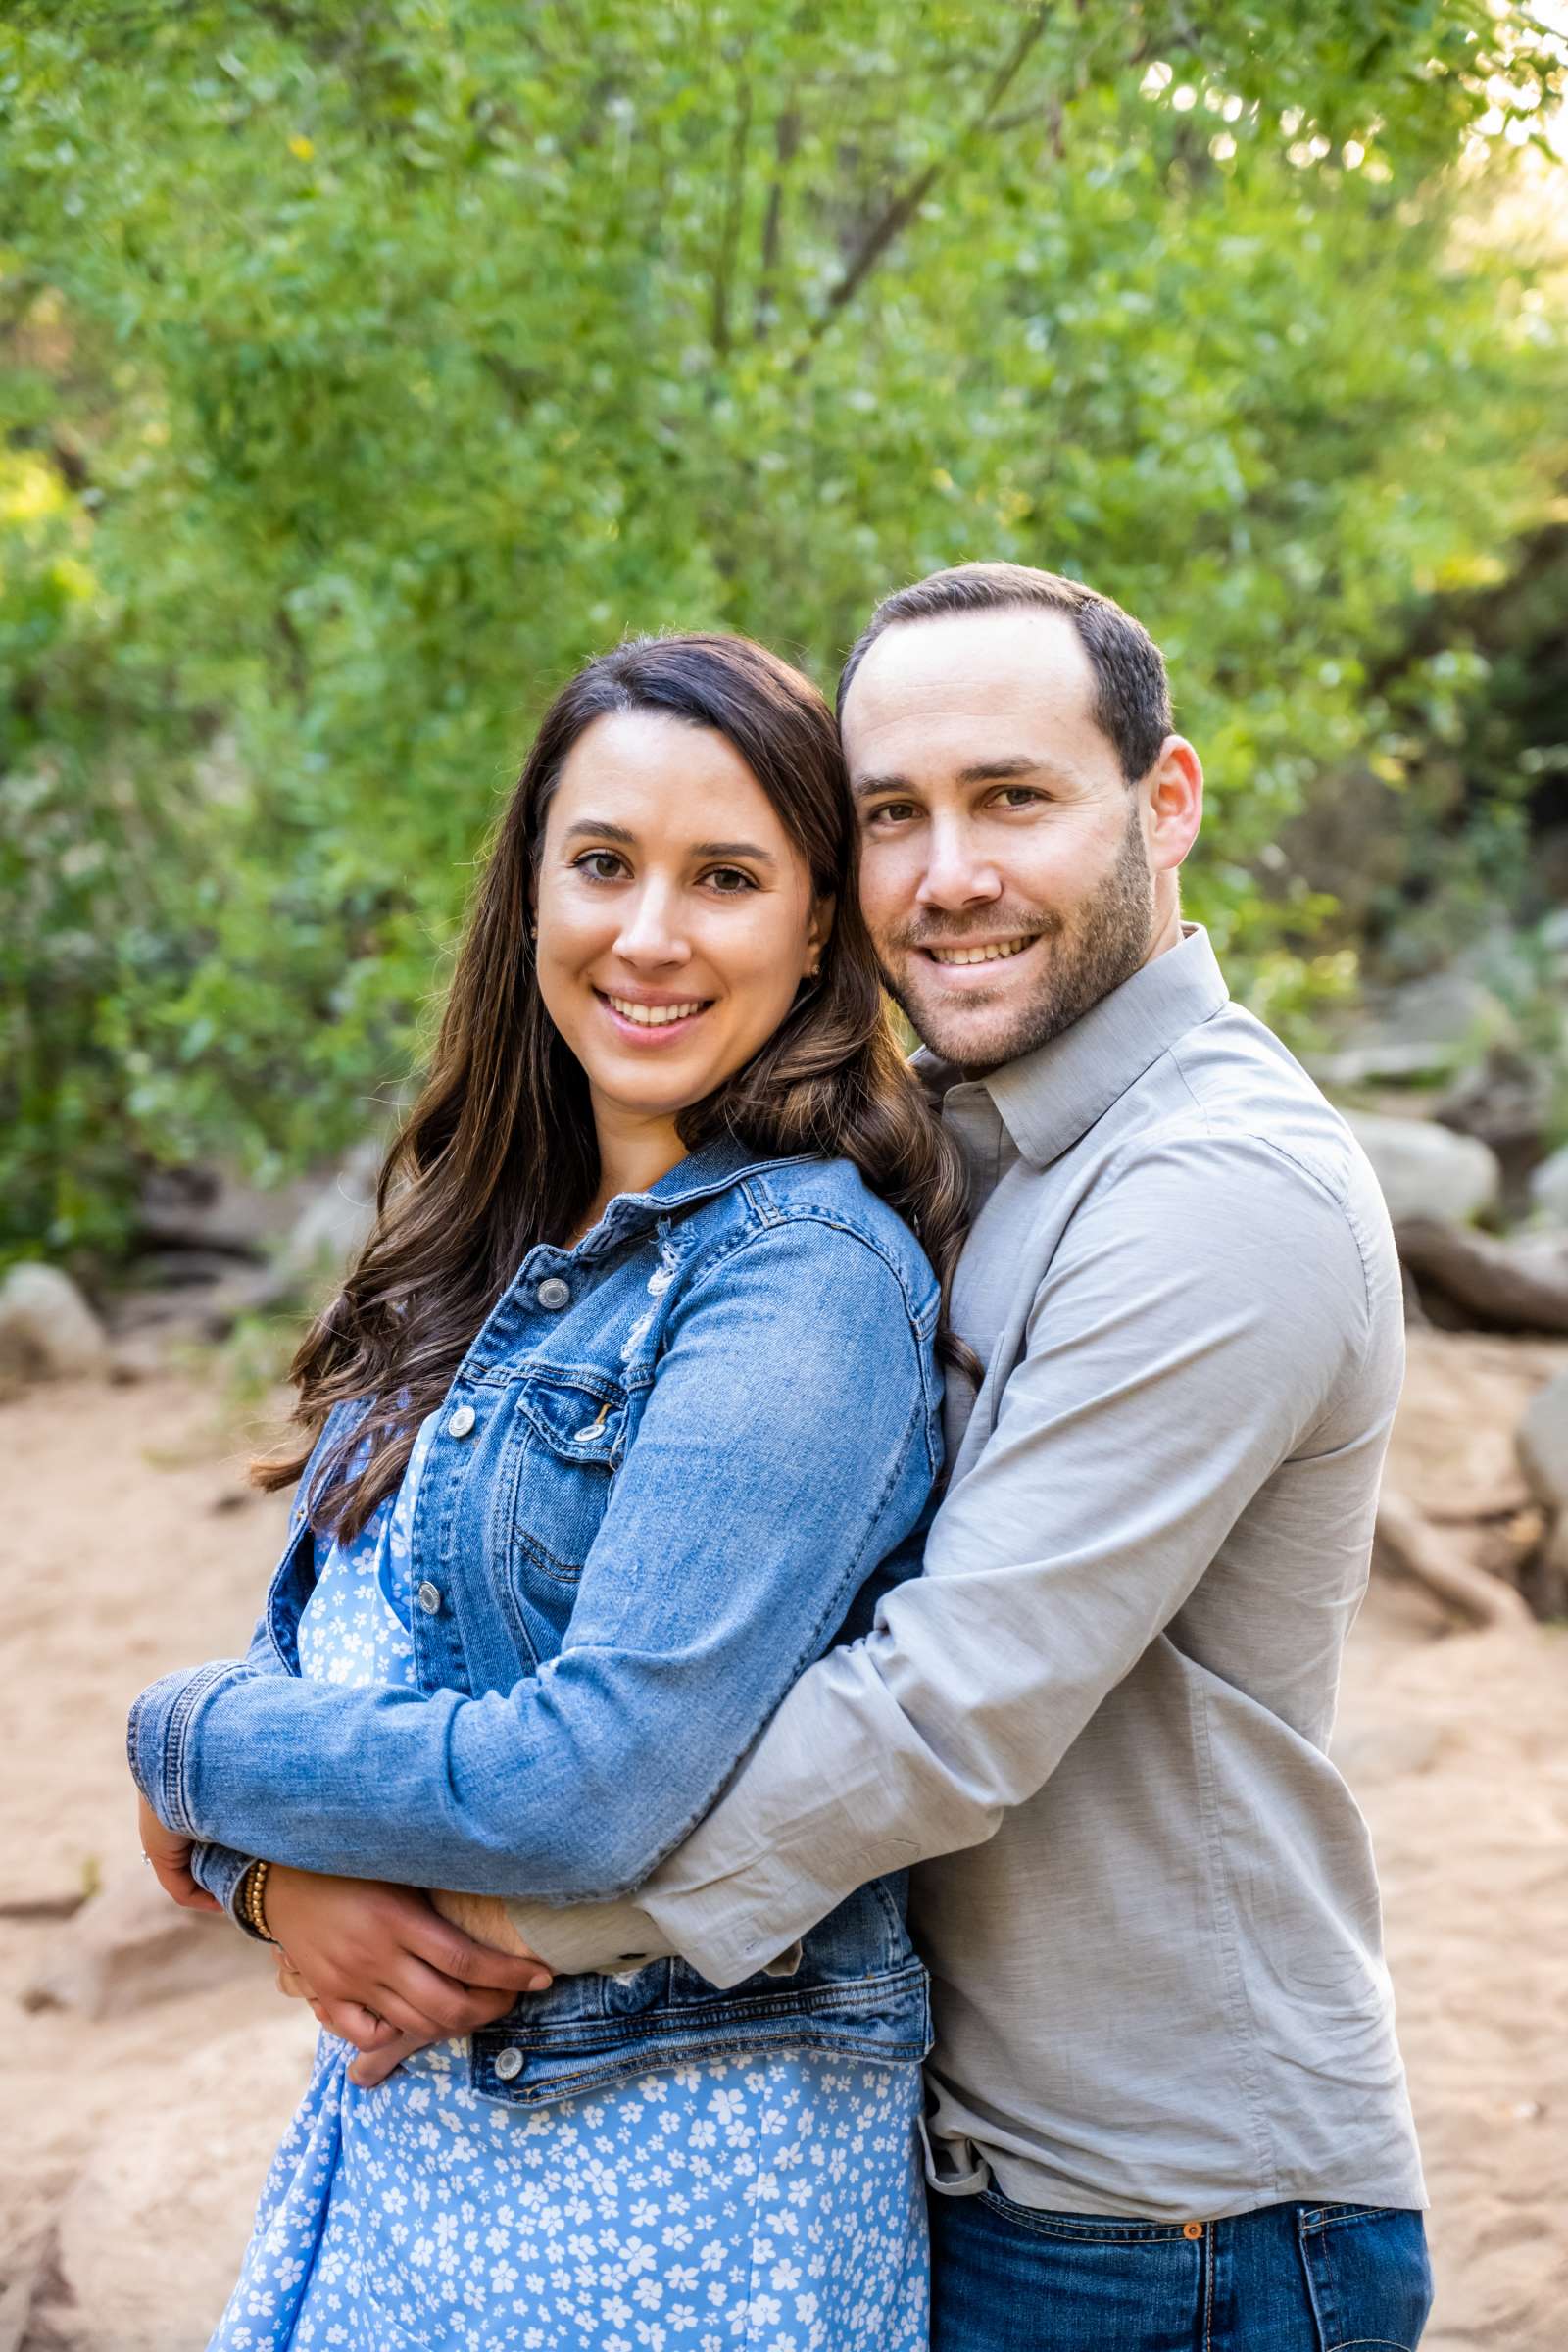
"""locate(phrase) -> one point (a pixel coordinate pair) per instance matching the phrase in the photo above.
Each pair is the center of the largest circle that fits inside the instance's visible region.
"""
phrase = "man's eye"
(600, 865)
(892, 812)
(730, 881)
(1019, 795)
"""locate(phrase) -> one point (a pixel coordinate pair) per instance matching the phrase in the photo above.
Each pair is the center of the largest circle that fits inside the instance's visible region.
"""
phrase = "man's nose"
(651, 932)
(957, 873)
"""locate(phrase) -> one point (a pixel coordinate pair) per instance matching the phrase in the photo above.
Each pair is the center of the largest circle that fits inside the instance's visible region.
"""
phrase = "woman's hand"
(352, 2023)
(379, 1962)
(375, 2063)
(170, 1855)
(381, 2047)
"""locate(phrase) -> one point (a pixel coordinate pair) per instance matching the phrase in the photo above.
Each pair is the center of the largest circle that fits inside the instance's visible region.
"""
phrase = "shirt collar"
(1050, 1098)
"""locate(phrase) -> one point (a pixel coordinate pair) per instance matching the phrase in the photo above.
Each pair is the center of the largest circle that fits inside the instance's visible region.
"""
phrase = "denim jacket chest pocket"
(569, 1436)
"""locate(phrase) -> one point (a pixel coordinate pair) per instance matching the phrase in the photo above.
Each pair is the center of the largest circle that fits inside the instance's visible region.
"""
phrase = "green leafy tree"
(383, 363)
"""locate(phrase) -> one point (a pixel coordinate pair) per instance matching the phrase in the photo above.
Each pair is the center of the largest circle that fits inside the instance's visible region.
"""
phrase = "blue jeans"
(1286, 2279)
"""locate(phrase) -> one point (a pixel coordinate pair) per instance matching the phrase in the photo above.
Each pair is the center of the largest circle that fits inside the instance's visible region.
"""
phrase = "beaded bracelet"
(251, 1907)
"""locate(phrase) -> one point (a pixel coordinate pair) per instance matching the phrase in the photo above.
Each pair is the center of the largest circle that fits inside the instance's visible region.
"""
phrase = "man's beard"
(1089, 952)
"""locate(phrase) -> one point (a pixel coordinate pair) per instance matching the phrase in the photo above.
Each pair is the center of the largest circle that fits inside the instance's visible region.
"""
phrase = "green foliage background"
(369, 367)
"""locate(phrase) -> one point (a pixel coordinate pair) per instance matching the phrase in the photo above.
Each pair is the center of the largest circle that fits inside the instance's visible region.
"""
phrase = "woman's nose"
(651, 932)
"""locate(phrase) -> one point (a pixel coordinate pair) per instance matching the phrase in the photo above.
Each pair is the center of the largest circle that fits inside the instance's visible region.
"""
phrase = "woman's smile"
(653, 1020)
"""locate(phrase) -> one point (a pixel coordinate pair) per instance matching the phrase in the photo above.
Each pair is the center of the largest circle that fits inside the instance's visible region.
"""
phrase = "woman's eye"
(600, 865)
(729, 881)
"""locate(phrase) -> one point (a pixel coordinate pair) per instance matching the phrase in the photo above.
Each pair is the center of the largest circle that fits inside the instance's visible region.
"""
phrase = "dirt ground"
(135, 2143)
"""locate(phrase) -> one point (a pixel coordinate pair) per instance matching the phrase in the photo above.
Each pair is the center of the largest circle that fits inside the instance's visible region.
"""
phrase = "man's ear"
(1173, 791)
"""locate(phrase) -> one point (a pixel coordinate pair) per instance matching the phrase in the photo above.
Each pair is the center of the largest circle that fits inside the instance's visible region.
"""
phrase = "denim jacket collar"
(713, 1168)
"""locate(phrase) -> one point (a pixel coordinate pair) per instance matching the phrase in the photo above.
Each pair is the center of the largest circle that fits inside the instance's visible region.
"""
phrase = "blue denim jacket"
(676, 1464)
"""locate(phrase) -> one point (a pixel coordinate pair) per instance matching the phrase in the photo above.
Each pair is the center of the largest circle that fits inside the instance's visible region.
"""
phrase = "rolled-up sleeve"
(153, 1738)
(1205, 1307)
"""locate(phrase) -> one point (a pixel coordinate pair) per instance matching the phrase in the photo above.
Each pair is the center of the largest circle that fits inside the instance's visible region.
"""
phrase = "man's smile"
(993, 950)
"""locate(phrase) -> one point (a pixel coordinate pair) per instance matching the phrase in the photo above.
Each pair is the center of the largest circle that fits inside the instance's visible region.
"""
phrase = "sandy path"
(128, 1545)
(1457, 1751)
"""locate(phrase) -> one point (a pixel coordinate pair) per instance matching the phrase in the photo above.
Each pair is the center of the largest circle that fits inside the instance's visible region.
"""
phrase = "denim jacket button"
(429, 1598)
(509, 2065)
(462, 1421)
(554, 1294)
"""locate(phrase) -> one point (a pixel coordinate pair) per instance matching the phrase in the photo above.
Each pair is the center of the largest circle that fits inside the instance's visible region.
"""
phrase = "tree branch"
(902, 209)
(730, 232)
(1502, 1286)
(786, 140)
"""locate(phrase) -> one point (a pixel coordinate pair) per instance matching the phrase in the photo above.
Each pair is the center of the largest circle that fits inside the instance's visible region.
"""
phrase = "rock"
(337, 1221)
(1544, 1579)
(1424, 1028)
(1553, 937)
(140, 1354)
(152, 1324)
(1548, 1188)
(1465, 1394)
(129, 1946)
(1506, 1102)
(204, 1208)
(1542, 1443)
(193, 1269)
(216, 1250)
(47, 1329)
(151, 2235)
(1426, 1171)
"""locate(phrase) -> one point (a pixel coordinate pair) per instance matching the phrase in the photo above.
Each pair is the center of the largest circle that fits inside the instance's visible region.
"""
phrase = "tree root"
(1408, 1543)
(1502, 1286)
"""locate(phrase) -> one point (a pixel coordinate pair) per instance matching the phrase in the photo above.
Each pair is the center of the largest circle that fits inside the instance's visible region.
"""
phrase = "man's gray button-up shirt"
(1098, 1721)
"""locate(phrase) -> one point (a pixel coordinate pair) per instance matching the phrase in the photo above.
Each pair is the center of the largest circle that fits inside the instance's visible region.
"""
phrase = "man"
(1166, 2103)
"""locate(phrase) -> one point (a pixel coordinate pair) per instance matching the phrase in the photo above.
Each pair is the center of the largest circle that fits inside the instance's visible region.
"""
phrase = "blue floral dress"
(771, 2205)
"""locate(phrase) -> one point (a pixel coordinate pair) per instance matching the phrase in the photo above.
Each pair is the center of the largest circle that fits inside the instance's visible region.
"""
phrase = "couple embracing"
(786, 1744)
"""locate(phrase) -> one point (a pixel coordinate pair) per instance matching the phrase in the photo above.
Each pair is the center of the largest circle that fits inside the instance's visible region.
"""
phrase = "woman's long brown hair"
(499, 1152)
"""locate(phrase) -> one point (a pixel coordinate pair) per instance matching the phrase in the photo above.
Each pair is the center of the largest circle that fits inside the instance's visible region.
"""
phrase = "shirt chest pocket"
(573, 1436)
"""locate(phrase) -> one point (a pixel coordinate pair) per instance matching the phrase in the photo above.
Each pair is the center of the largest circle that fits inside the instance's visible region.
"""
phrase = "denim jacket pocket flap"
(573, 1433)
(580, 1416)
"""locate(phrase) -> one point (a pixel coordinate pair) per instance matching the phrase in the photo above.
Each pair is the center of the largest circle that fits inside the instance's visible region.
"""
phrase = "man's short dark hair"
(1132, 694)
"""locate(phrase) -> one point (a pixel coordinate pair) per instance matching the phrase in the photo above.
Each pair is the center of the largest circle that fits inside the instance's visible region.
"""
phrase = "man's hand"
(170, 1856)
(382, 1968)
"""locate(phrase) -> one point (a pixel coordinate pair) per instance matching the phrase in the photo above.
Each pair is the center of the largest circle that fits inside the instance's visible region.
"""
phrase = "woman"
(627, 1412)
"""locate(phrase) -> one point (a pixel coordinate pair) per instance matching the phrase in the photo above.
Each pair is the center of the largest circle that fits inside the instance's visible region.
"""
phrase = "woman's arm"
(788, 1444)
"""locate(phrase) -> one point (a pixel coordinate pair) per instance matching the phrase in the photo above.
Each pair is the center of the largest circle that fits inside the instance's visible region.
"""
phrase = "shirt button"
(429, 1598)
(462, 1421)
(509, 2065)
(554, 1294)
